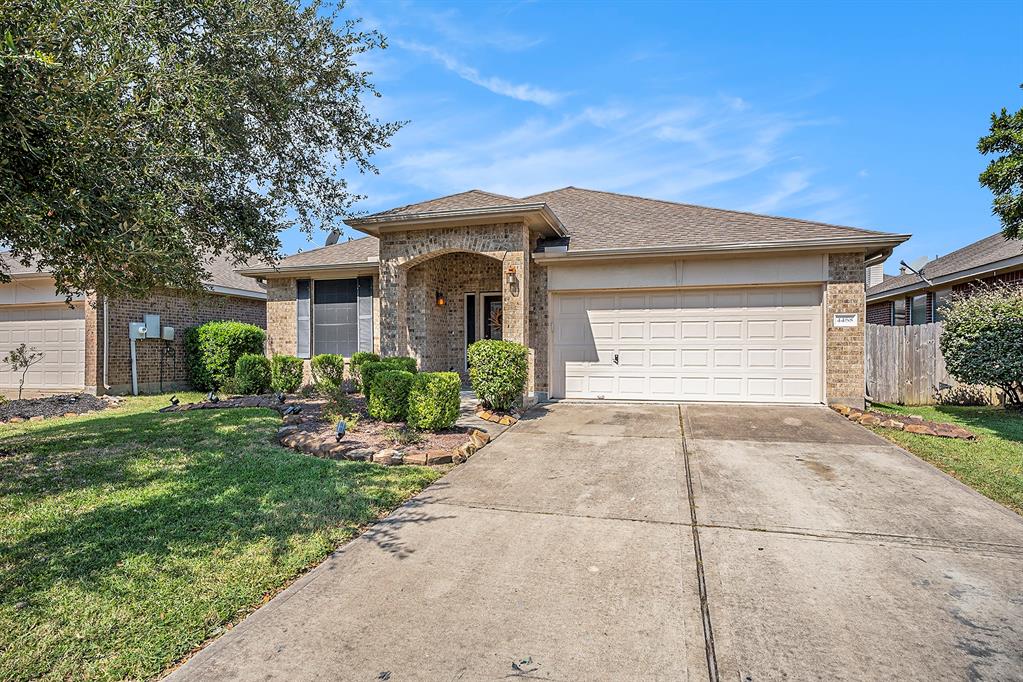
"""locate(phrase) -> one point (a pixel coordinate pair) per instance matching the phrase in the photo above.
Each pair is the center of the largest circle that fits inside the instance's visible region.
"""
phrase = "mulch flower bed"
(306, 429)
(65, 405)
(907, 423)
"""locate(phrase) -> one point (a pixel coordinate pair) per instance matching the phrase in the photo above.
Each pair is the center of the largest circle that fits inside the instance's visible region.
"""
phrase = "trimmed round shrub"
(368, 371)
(328, 372)
(982, 340)
(285, 373)
(388, 399)
(252, 374)
(213, 349)
(402, 362)
(433, 400)
(497, 372)
(356, 363)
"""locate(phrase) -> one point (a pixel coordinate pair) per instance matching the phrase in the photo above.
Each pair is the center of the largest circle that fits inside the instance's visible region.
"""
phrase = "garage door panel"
(758, 344)
(58, 332)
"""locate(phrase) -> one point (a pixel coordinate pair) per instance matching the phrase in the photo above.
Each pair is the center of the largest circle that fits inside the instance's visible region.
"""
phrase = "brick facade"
(880, 313)
(844, 346)
(175, 310)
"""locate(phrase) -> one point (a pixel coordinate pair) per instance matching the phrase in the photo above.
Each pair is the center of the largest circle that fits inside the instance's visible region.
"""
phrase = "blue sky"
(863, 114)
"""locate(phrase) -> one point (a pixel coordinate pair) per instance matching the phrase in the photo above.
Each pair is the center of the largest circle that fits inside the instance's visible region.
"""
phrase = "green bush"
(433, 400)
(388, 399)
(213, 349)
(982, 339)
(285, 373)
(328, 372)
(356, 363)
(401, 362)
(369, 370)
(252, 372)
(497, 372)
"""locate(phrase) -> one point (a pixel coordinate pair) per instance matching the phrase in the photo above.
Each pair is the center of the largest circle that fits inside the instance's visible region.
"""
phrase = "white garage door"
(55, 330)
(743, 345)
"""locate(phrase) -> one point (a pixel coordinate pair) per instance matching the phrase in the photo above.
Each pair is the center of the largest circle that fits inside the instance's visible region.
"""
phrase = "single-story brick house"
(86, 345)
(616, 296)
(911, 298)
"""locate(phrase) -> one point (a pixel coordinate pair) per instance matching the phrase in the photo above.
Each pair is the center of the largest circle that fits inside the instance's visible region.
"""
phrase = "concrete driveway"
(565, 550)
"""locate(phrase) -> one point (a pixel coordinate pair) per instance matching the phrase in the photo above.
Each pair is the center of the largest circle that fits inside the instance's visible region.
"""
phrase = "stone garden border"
(907, 423)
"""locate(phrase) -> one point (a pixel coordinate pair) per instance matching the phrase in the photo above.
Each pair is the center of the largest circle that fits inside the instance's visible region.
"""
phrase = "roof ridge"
(337, 243)
(713, 208)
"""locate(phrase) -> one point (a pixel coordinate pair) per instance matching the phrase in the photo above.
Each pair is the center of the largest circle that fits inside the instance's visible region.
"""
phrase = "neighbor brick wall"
(1004, 279)
(880, 313)
(175, 310)
(844, 377)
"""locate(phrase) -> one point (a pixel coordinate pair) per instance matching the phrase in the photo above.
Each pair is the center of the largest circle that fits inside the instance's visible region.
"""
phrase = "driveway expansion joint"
(701, 578)
(539, 512)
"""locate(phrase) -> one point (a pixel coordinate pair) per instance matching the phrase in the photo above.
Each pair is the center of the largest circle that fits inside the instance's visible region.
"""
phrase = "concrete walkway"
(565, 551)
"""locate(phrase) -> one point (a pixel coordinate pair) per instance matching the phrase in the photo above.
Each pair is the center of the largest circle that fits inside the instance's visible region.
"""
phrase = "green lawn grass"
(129, 537)
(992, 465)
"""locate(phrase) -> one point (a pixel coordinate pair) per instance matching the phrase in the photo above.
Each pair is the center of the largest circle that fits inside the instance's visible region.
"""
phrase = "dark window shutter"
(303, 316)
(366, 314)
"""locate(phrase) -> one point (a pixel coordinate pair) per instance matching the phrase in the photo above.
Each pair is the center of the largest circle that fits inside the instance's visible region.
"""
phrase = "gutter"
(241, 293)
(881, 241)
(428, 217)
(344, 267)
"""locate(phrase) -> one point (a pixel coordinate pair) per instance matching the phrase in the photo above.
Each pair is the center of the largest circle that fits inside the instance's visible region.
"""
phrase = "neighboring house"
(86, 346)
(909, 298)
(616, 296)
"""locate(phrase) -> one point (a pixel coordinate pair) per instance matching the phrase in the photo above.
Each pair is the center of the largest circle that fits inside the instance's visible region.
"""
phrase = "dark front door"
(492, 320)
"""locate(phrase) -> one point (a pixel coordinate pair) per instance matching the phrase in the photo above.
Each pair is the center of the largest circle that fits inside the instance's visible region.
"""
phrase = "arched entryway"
(454, 298)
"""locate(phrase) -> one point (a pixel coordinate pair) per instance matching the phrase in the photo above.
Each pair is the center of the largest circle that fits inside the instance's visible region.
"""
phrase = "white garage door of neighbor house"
(743, 345)
(55, 330)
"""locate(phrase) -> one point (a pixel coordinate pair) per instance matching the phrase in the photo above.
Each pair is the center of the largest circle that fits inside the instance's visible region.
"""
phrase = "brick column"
(93, 344)
(393, 309)
(844, 350)
(515, 301)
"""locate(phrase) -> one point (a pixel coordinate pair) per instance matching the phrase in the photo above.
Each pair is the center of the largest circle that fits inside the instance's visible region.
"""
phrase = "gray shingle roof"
(222, 273)
(474, 198)
(355, 251)
(988, 250)
(596, 220)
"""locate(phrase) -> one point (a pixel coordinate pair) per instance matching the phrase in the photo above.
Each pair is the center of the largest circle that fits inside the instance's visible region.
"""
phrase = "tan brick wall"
(175, 310)
(281, 323)
(844, 380)
(538, 319)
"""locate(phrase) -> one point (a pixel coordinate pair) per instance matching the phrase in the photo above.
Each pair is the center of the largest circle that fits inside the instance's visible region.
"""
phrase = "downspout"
(106, 345)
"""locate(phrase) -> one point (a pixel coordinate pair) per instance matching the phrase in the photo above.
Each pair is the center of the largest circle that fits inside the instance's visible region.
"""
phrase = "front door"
(492, 319)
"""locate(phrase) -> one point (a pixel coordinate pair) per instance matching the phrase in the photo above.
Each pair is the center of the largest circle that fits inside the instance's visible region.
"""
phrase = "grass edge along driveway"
(992, 465)
(129, 537)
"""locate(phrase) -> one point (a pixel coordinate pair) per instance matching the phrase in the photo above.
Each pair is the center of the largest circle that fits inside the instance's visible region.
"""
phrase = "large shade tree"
(140, 137)
(1004, 175)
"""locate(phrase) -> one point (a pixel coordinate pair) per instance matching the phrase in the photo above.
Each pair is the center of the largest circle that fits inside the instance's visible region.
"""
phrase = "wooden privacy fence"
(904, 364)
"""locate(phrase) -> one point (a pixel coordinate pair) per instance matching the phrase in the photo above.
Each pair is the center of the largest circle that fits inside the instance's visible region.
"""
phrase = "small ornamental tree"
(20, 360)
(982, 340)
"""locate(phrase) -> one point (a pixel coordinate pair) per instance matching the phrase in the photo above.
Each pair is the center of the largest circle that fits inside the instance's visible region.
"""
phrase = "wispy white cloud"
(520, 91)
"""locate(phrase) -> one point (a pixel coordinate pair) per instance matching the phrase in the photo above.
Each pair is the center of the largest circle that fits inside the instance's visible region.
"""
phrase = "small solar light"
(281, 397)
(213, 397)
(341, 428)
(174, 400)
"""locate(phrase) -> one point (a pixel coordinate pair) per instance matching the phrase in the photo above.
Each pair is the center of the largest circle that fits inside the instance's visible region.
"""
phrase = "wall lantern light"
(512, 277)
(440, 299)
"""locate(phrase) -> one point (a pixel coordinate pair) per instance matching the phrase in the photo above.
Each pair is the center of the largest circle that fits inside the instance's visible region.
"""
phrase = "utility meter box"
(152, 326)
(168, 333)
(137, 330)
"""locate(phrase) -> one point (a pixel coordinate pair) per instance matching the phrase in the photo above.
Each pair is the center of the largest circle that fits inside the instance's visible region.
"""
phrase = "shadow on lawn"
(1006, 424)
(178, 488)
